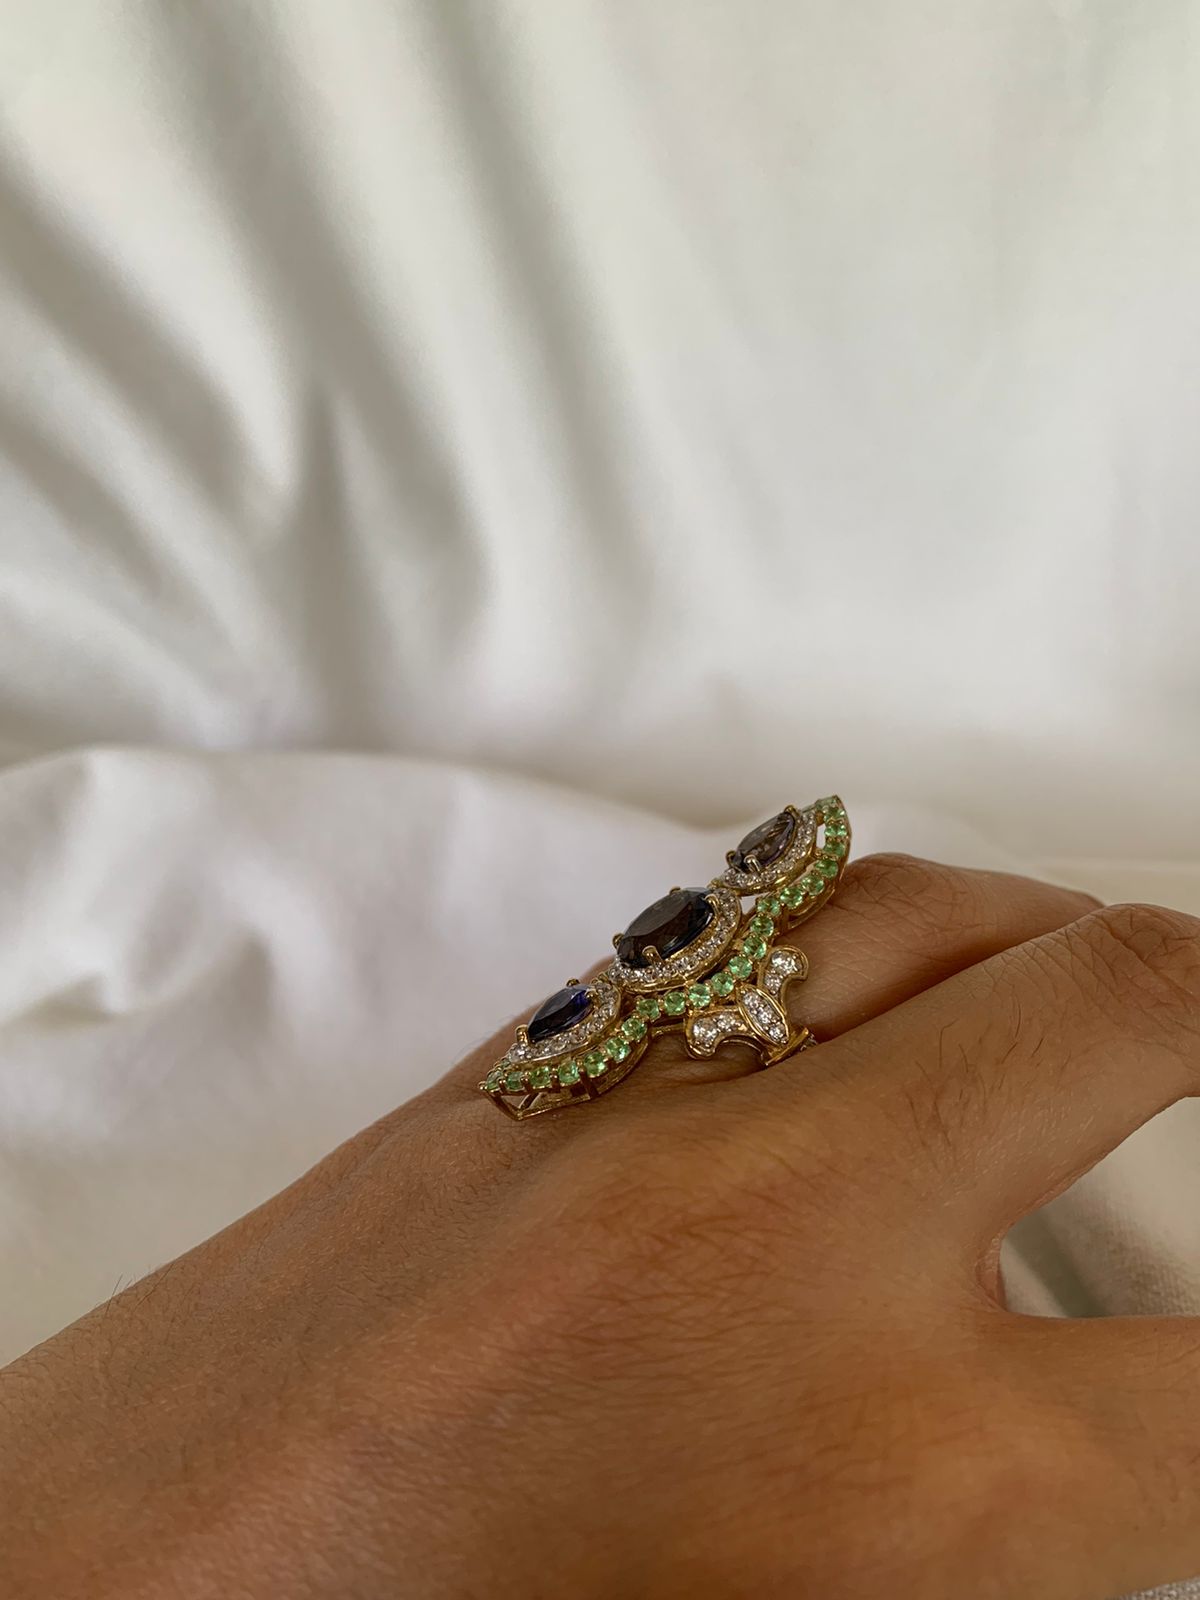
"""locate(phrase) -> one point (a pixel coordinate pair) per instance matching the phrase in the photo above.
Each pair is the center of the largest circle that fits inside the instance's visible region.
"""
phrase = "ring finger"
(896, 926)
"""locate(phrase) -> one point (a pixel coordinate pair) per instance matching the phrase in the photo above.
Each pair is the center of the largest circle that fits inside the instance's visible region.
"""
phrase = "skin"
(720, 1333)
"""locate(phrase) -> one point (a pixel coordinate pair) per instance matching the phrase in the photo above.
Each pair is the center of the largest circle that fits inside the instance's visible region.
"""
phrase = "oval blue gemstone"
(562, 1011)
(766, 843)
(669, 925)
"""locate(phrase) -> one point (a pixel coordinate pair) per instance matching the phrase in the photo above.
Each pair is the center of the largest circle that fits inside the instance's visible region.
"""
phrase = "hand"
(720, 1333)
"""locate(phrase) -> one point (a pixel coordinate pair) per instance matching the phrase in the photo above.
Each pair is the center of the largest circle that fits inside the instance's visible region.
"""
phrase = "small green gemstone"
(634, 1027)
(771, 905)
(699, 995)
(721, 982)
(836, 830)
(539, 1078)
(827, 869)
(792, 895)
(754, 948)
(568, 1073)
(594, 1065)
(494, 1079)
(740, 967)
(831, 807)
(515, 1083)
(761, 927)
(675, 1002)
(835, 847)
(617, 1049)
(648, 1007)
(812, 883)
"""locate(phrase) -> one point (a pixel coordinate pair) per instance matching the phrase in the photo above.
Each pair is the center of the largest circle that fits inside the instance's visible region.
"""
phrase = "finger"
(1001, 1085)
(1119, 1401)
(897, 925)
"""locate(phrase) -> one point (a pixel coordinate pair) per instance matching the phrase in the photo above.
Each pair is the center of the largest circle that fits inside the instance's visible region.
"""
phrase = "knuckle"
(928, 892)
(1147, 951)
(892, 874)
(1148, 943)
(940, 902)
(1144, 925)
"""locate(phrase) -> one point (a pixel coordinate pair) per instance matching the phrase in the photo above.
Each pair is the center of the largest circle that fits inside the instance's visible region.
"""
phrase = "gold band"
(697, 962)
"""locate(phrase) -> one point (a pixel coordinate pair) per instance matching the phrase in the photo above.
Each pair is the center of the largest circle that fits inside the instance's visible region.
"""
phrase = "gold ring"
(697, 961)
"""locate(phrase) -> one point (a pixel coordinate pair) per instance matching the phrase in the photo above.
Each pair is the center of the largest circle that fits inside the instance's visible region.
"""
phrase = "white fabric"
(691, 405)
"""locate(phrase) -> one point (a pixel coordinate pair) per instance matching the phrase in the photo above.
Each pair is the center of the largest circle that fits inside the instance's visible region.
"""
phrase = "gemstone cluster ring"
(697, 961)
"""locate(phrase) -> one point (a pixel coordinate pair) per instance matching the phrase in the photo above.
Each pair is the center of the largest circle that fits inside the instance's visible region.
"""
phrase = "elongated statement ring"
(696, 961)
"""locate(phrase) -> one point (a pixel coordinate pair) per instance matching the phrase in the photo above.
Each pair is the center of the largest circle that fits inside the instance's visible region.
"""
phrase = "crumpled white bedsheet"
(609, 420)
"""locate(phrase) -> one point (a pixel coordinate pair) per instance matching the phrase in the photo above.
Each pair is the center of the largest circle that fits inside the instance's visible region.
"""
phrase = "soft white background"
(459, 462)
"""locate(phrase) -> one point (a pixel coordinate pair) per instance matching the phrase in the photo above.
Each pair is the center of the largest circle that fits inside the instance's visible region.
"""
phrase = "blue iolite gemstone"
(562, 1011)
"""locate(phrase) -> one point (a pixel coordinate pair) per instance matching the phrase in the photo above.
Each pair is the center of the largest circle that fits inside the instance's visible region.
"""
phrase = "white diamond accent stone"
(780, 965)
(763, 1014)
(711, 1028)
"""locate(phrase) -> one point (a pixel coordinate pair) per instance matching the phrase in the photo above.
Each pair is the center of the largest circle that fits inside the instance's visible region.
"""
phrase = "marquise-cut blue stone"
(562, 1011)
(668, 926)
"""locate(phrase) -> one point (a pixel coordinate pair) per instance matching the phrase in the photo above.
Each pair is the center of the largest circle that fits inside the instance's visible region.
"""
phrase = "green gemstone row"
(751, 948)
(507, 1079)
